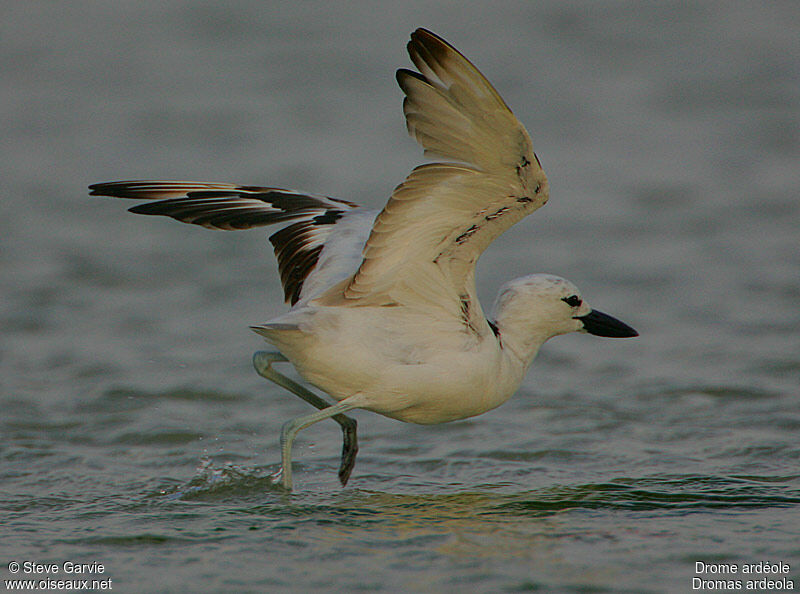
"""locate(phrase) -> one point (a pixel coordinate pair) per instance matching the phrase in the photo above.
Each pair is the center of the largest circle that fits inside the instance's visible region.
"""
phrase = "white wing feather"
(424, 244)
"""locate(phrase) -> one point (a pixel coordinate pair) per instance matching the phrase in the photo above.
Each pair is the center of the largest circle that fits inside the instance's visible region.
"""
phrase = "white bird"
(384, 311)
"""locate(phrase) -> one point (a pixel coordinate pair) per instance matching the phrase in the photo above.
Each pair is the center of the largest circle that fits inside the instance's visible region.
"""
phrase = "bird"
(384, 313)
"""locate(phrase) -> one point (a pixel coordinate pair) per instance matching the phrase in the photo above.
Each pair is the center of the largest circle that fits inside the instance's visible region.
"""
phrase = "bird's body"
(385, 314)
(407, 365)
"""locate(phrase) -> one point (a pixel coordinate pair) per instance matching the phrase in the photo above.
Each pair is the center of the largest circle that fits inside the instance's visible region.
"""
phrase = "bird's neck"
(520, 325)
(518, 340)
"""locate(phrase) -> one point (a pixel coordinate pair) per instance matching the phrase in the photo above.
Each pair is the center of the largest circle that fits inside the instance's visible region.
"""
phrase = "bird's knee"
(263, 360)
(288, 430)
(349, 424)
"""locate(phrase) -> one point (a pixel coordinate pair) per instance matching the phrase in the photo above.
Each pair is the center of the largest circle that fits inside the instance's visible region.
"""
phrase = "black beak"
(600, 324)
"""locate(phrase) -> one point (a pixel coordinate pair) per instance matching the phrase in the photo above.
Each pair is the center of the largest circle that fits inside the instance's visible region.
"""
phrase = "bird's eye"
(572, 300)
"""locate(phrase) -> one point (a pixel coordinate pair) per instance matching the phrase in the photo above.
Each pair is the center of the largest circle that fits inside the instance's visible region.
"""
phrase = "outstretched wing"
(228, 206)
(424, 244)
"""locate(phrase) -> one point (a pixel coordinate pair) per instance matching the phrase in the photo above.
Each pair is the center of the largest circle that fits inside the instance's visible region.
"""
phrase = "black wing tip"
(116, 189)
(430, 41)
(421, 33)
(147, 209)
(101, 189)
(403, 74)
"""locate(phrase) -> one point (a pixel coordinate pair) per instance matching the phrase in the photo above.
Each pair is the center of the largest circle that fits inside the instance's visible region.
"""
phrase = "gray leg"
(289, 432)
(263, 361)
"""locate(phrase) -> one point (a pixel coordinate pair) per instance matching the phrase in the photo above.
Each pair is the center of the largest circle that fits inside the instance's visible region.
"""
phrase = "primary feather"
(233, 207)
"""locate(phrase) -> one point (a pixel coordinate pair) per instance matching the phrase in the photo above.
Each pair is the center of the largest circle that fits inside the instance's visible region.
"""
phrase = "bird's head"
(532, 309)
